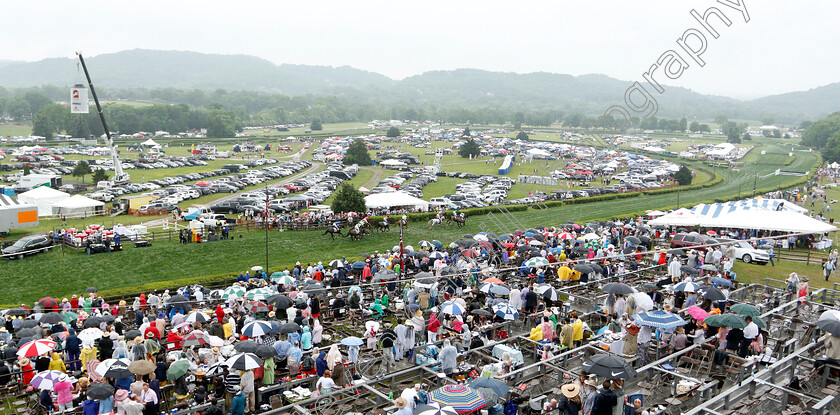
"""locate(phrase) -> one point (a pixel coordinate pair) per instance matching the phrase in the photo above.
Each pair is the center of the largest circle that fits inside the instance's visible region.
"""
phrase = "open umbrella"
(179, 301)
(722, 281)
(609, 366)
(195, 338)
(17, 312)
(499, 387)
(708, 267)
(45, 380)
(643, 301)
(178, 369)
(649, 286)
(265, 351)
(829, 322)
(505, 311)
(688, 269)
(434, 408)
(289, 328)
(279, 301)
(536, 262)
(745, 309)
(492, 280)
(197, 317)
(48, 302)
(336, 263)
(93, 321)
(257, 328)
(256, 306)
(726, 320)
(495, 289)
(114, 368)
(284, 278)
(217, 369)
(132, 334)
(547, 291)
(233, 292)
(633, 240)
(36, 348)
(245, 361)
(91, 289)
(384, 274)
(689, 287)
(358, 265)
(461, 398)
(711, 293)
(259, 293)
(697, 313)
(452, 308)
(141, 367)
(99, 391)
(91, 366)
(246, 346)
(481, 312)
(660, 319)
(618, 288)
(69, 316)
(352, 341)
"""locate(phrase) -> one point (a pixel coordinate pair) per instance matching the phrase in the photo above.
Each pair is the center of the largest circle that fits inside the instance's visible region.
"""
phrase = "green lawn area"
(361, 178)
(58, 274)
(13, 130)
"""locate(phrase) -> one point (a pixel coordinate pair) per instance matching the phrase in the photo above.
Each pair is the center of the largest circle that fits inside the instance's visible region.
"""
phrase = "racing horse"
(403, 223)
(457, 220)
(383, 226)
(434, 221)
(356, 233)
(332, 231)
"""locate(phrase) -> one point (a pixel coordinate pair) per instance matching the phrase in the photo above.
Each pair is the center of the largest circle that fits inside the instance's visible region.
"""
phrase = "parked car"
(688, 240)
(28, 245)
(747, 253)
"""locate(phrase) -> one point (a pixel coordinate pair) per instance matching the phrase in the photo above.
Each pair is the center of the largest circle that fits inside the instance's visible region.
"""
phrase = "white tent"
(43, 197)
(78, 206)
(679, 217)
(536, 152)
(150, 143)
(395, 199)
(768, 220)
(364, 190)
(392, 163)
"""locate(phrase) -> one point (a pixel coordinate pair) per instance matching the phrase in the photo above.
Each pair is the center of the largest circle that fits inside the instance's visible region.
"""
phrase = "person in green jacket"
(87, 305)
(268, 371)
(384, 300)
(377, 309)
(237, 404)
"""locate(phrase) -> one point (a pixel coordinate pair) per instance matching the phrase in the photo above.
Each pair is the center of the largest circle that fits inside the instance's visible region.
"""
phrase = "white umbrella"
(547, 291)
(90, 334)
(197, 317)
(452, 308)
(256, 268)
(244, 361)
(257, 328)
(643, 301)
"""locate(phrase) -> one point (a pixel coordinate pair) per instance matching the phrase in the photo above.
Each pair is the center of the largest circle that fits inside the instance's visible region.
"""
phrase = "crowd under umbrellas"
(316, 326)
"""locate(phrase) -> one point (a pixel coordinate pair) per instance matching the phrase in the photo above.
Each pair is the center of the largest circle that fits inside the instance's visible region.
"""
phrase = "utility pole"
(755, 182)
(265, 224)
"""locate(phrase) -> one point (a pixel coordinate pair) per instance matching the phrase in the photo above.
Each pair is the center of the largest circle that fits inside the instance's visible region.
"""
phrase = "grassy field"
(13, 130)
(60, 274)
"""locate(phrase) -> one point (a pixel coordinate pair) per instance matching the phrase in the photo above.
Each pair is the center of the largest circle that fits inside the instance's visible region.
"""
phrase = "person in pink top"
(64, 390)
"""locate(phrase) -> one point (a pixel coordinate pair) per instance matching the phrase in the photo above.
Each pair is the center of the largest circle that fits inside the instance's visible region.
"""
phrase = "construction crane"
(120, 177)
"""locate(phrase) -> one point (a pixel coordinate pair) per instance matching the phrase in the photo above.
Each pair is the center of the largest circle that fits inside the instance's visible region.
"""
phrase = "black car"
(27, 245)
(225, 207)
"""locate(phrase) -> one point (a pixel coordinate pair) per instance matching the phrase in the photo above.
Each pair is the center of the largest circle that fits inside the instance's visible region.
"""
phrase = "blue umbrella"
(437, 255)
(437, 244)
(722, 281)
(358, 265)
(496, 385)
(258, 328)
(686, 286)
(504, 237)
(352, 341)
(660, 319)
(452, 308)
(505, 311)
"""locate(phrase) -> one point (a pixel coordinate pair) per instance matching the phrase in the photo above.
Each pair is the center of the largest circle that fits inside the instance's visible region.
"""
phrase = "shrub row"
(425, 216)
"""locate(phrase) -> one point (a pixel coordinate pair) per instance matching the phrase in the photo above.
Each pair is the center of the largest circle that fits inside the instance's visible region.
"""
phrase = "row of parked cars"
(170, 196)
(743, 249)
(480, 191)
(405, 181)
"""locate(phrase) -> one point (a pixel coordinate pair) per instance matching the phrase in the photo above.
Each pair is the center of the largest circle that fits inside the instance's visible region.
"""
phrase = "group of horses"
(358, 232)
(457, 220)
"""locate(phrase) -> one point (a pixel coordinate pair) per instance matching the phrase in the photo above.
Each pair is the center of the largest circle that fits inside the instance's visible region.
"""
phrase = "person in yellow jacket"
(536, 334)
(88, 354)
(564, 272)
(227, 328)
(577, 331)
(57, 364)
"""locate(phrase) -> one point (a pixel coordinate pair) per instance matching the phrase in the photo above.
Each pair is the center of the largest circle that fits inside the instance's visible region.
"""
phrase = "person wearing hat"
(237, 403)
(402, 406)
(569, 403)
(64, 391)
(26, 369)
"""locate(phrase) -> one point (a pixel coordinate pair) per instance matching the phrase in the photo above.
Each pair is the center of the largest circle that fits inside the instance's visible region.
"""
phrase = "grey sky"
(786, 45)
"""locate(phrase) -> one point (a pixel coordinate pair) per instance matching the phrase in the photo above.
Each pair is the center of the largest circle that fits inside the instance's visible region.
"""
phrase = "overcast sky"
(786, 45)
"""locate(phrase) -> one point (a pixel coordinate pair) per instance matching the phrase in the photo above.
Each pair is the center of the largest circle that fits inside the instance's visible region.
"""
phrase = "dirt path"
(377, 177)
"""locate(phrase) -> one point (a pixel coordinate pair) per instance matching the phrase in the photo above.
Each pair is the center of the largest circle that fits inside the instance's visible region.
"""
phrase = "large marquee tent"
(395, 199)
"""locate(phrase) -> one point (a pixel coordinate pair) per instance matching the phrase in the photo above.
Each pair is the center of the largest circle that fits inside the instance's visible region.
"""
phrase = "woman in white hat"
(569, 403)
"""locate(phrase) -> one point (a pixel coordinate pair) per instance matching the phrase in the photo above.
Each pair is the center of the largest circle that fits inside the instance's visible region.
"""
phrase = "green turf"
(15, 130)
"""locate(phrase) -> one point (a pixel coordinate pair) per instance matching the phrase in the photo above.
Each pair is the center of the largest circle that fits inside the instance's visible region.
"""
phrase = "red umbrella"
(48, 302)
(256, 307)
(494, 280)
(36, 348)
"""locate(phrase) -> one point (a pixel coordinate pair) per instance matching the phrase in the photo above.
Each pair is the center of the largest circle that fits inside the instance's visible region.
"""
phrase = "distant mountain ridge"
(469, 88)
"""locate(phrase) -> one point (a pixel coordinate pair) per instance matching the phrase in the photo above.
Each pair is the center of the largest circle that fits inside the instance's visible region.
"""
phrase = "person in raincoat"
(320, 361)
(268, 371)
(432, 329)
(57, 364)
(317, 332)
(448, 357)
(370, 337)
(353, 354)
(376, 308)
(400, 345)
(88, 354)
(294, 360)
(547, 328)
(306, 339)
(333, 357)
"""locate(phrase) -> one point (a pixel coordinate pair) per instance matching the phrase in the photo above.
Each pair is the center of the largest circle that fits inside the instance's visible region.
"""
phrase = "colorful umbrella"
(91, 370)
(493, 280)
(697, 313)
(505, 311)
(461, 398)
(36, 348)
(48, 302)
(46, 379)
(660, 319)
(282, 278)
(256, 306)
(233, 292)
(536, 262)
(259, 293)
(195, 338)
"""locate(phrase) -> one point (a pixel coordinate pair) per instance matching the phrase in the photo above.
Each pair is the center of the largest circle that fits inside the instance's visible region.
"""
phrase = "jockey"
(385, 219)
(405, 218)
(461, 215)
(336, 225)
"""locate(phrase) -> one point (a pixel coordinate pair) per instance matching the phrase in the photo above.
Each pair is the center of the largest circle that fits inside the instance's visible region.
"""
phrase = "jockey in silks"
(461, 215)
(405, 218)
(440, 216)
(385, 219)
(336, 225)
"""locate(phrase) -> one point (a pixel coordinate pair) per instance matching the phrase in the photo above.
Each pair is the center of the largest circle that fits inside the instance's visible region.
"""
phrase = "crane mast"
(120, 177)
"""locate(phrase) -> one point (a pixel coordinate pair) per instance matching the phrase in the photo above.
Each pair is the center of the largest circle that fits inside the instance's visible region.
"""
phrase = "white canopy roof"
(394, 199)
(150, 143)
(736, 215)
(77, 205)
(679, 217)
(392, 162)
(44, 197)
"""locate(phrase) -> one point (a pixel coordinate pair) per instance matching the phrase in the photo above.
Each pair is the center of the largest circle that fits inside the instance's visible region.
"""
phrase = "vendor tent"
(150, 143)
(395, 199)
(43, 197)
(679, 217)
(78, 206)
(717, 209)
(769, 220)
